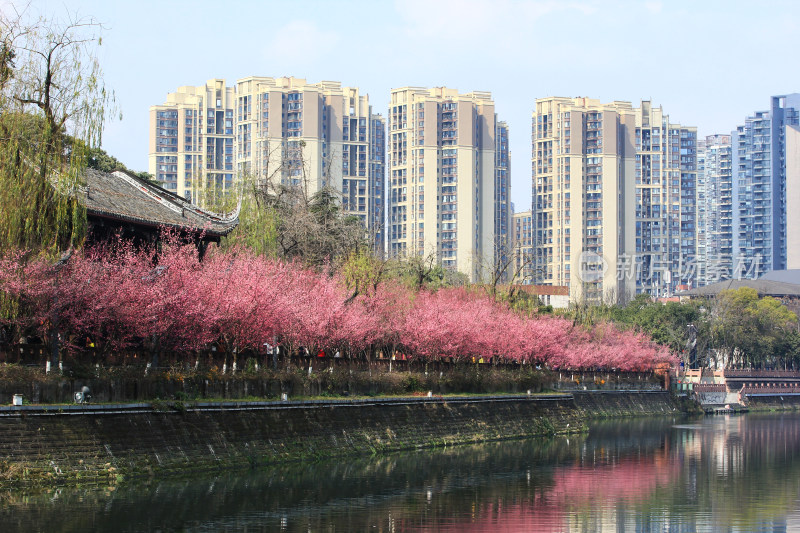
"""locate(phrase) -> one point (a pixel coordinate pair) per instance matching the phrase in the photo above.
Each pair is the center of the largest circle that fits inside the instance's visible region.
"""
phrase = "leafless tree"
(285, 216)
(509, 265)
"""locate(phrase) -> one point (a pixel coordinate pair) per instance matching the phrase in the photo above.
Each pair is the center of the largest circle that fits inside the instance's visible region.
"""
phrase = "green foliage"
(788, 346)
(665, 323)
(411, 383)
(334, 235)
(7, 55)
(362, 272)
(258, 221)
(750, 330)
(38, 185)
(585, 313)
(736, 328)
(424, 272)
(98, 159)
(281, 221)
(251, 365)
(522, 301)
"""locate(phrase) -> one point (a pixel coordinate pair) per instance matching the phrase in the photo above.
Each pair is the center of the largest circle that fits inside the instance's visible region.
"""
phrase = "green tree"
(280, 218)
(99, 159)
(425, 272)
(666, 323)
(258, 220)
(748, 330)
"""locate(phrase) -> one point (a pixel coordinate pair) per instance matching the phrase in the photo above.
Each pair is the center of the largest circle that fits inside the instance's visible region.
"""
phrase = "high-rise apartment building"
(583, 195)
(522, 248)
(314, 135)
(278, 130)
(502, 205)
(191, 141)
(702, 218)
(666, 203)
(715, 189)
(760, 182)
(442, 177)
(614, 198)
(376, 184)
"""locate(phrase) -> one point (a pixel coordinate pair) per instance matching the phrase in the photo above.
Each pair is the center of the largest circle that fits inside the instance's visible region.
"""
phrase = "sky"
(708, 63)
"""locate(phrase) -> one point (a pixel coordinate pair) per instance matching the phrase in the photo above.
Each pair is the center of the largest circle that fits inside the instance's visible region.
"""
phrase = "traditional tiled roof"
(124, 197)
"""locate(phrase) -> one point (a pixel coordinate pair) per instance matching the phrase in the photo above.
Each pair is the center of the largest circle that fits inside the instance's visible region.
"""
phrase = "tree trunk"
(154, 349)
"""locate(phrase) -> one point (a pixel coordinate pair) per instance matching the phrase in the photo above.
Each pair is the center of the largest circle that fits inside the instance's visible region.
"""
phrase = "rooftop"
(123, 197)
(764, 287)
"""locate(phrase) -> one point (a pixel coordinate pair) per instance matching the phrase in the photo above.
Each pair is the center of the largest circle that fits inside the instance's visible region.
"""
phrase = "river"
(723, 473)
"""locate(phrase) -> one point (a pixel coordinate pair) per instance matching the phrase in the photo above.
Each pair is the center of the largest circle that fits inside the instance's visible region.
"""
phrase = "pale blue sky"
(708, 63)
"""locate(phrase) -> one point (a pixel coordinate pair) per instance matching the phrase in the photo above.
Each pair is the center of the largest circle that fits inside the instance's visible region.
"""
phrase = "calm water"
(715, 474)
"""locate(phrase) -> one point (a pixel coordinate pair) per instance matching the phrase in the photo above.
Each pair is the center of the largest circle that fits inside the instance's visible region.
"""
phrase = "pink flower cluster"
(123, 297)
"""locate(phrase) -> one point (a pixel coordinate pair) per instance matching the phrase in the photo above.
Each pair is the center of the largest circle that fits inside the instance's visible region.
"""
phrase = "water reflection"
(714, 474)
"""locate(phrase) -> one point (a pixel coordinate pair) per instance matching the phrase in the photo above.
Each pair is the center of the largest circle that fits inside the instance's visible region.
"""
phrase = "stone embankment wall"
(774, 403)
(602, 404)
(108, 443)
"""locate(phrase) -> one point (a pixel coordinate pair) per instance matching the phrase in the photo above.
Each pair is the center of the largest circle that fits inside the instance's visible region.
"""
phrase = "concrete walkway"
(178, 406)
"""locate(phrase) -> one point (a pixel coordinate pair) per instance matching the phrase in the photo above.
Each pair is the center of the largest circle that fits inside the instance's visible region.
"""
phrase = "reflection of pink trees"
(124, 297)
(632, 480)
(573, 490)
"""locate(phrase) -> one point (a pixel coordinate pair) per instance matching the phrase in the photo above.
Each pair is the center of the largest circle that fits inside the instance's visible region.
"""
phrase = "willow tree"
(52, 108)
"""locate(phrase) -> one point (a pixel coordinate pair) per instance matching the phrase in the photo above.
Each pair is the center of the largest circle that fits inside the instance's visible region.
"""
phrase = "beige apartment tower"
(314, 135)
(191, 141)
(442, 177)
(583, 196)
(792, 147)
(614, 199)
(278, 130)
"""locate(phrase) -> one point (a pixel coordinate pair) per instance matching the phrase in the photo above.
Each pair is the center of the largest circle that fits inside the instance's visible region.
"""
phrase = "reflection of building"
(442, 177)
(191, 141)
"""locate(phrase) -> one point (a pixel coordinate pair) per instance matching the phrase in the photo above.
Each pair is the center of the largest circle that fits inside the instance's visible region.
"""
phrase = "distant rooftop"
(786, 276)
(763, 286)
(544, 290)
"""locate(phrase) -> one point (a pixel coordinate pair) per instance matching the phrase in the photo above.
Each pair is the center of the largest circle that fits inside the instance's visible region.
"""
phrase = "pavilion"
(121, 204)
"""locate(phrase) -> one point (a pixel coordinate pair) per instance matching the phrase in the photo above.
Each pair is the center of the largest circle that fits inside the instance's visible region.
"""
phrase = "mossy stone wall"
(167, 439)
